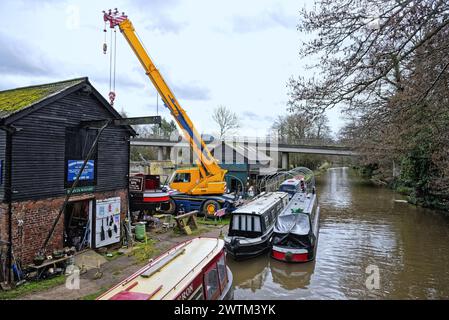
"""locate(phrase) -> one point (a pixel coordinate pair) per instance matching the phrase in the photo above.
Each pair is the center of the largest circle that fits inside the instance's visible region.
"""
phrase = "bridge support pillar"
(160, 153)
(284, 160)
(167, 153)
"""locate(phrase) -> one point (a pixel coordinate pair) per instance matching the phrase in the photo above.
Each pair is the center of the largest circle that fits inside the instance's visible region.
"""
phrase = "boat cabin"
(296, 232)
(193, 270)
(258, 216)
(146, 194)
(291, 186)
(251, 225)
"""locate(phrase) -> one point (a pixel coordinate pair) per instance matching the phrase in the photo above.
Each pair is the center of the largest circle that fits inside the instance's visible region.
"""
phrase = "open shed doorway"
(77, 224)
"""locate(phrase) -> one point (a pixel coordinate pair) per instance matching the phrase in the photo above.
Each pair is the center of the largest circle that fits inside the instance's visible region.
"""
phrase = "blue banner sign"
(74, 166)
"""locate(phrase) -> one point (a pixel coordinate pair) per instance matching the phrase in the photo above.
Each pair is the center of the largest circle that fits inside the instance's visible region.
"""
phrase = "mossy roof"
(16, 100)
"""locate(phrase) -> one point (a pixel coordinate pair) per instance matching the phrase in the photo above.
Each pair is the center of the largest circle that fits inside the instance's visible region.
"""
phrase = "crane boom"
(211, 180)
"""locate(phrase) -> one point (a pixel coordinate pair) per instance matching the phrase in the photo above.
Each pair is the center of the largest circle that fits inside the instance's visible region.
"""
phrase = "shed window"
(77, 145)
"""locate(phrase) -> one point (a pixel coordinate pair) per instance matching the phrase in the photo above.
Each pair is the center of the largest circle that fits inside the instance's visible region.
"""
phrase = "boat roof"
(294, 182)
(292, 220)
(300, 200)
(166, 276)
(261, 204)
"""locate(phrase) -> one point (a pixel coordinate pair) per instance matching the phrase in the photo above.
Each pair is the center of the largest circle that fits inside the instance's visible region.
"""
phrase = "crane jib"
(189, 130)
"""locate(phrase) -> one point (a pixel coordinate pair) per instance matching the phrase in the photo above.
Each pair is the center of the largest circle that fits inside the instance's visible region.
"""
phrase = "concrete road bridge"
(270, 146)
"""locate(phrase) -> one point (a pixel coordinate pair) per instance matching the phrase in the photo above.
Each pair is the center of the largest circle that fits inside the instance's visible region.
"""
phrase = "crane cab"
(190, 181)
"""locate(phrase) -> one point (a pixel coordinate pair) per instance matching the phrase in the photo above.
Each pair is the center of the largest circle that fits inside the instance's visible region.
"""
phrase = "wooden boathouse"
(42, 147)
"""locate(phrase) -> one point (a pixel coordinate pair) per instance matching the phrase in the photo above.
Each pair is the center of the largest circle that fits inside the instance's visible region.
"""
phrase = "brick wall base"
(32, 221)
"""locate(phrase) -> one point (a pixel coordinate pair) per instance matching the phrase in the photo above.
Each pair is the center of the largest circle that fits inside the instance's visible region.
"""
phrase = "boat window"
(249, 223)
(222, 271)
(198, 294)
(289, 188)
(269, 217)
(256, 224)
(312, 213)
(242, 223)
(273, 215)
(235, 222)
(212, 284)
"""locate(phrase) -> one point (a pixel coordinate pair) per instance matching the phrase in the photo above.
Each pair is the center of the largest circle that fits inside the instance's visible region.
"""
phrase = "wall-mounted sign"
(74, 166)
(107, 222)
(136, 184)
(81, 189)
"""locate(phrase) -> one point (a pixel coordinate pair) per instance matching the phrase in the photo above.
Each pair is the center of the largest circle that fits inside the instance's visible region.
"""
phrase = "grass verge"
(145, 250)
(32, 287)
(94, 295)
(214, 222)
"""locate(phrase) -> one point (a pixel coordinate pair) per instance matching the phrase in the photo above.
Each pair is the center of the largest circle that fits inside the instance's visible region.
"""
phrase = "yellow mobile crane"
(199, 188)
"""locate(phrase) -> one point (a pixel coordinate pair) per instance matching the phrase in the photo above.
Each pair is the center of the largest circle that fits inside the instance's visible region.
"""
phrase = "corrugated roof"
(249, 151)
(15, 100)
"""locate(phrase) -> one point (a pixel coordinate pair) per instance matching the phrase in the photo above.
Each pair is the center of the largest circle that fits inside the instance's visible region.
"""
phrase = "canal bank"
(370, 247)
(113, 268)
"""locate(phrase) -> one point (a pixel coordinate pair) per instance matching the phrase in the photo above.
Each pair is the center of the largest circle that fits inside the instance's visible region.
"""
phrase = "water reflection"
(291, 276)
(361, 225)
(263, 275)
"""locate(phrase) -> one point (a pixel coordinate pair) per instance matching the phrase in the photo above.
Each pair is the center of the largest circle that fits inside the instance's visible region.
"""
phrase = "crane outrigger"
(199, 188)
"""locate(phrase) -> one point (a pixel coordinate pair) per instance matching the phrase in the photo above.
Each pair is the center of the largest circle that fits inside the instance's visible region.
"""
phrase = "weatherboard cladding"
(38, 148)
(2, 162)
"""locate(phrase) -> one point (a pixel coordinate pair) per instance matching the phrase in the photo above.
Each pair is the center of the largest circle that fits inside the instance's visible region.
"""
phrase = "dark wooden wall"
(2, 161)
(38, 149)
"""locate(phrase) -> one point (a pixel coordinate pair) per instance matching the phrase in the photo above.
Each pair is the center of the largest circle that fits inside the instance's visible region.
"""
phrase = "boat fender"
(235, 243)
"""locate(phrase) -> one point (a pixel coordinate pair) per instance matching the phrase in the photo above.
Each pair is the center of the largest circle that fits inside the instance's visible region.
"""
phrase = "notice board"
(107, 222)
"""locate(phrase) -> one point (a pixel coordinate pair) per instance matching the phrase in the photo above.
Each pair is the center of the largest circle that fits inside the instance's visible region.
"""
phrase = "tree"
(364, 49)
(385, 62)
(297, 126)
(226, 120)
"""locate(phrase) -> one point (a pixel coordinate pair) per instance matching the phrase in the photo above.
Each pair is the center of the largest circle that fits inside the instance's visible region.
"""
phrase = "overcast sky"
(239, 54)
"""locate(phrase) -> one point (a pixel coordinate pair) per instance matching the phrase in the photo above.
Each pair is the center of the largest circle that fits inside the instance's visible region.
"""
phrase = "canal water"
(369, 247)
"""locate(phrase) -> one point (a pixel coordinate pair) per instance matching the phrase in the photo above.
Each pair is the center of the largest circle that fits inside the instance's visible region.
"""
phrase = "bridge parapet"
(250, 140)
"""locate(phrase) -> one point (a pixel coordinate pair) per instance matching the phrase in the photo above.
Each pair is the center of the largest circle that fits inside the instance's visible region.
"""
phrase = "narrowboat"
(295, 234)
(251, 225)
(193, 270)
(291, 186)
(146, 193)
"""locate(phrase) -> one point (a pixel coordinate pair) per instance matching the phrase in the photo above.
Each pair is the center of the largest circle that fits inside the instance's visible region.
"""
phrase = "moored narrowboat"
(193, 270)
(295, 235)
(251, 225)
(146, 193)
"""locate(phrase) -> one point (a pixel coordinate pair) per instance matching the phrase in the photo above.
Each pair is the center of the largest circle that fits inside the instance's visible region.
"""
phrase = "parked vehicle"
(252, 225)
(193, 270)
(295, 235)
